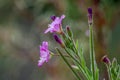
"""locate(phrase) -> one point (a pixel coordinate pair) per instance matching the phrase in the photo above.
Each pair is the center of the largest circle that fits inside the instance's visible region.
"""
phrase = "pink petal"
(63, 16)
(40, 62)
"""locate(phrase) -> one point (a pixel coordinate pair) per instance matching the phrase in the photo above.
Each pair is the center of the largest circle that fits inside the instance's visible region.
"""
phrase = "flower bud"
(105, 59)
(69, 31)
(58, 40)
(90, 16)
(53, 17)
(75, 67)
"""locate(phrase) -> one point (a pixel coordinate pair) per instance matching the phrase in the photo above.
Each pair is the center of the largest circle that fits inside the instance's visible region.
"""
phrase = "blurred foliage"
(22, 23)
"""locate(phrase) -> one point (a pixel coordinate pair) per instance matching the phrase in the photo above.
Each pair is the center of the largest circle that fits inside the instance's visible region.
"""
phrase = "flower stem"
(92, 55)
(109, 74)
(82, 68)
(68, 64)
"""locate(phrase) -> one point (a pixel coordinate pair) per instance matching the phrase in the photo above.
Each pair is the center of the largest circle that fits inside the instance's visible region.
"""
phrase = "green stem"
(109, 72)
(77, 52)
(118, 75)
(92, 55)
(73, 57)
(74, 49)
(68, 64)
(80, 66)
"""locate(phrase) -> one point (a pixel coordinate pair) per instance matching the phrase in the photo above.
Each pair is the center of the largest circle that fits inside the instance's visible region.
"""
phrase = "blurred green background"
(22, 26)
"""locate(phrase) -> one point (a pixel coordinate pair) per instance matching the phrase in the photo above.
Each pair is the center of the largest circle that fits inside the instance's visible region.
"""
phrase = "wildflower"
(105, 59)
(58, 40)
(89, 16)
(55, 26)
(44, 53)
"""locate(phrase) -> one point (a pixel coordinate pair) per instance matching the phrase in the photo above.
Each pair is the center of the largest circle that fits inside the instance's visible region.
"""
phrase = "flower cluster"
(54, 27)
(74, 52)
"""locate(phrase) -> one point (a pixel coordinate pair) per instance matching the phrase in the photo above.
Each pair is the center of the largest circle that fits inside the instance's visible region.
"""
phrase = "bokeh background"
(22, 26)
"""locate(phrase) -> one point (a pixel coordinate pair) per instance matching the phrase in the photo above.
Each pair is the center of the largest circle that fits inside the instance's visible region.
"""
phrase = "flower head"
(44, 53)
(55, 26)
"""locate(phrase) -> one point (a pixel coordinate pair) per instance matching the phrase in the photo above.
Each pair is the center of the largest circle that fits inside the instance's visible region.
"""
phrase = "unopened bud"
(90, 21)
(53, 17)
(69, 31)
(75, 67)
(105, 59)
(58, 40)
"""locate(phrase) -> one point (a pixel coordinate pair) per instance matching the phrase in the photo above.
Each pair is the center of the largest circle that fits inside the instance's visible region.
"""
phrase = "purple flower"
(89, 16)
(44, 53)
(55, 26)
